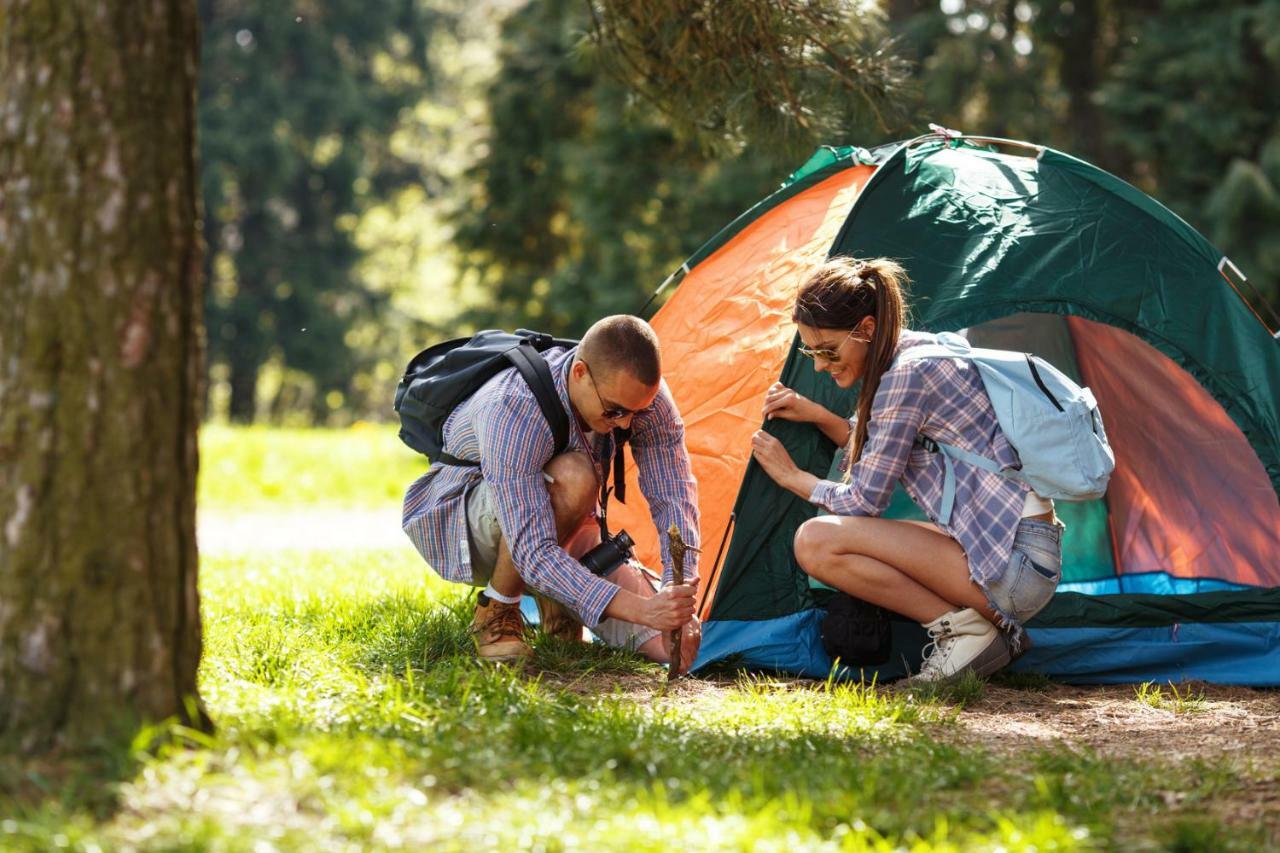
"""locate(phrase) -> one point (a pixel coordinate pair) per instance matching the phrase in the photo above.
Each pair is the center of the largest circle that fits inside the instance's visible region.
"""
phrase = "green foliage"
(778, 74)
(1175, 96)
(298, 101)
(581, 204)
(558, 164)
(1194, 102)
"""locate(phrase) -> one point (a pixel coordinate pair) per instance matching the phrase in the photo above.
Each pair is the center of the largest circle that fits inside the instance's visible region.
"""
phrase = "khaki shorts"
(485, 536)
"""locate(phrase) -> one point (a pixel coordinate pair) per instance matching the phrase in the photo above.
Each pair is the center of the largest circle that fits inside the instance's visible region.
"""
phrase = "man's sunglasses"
(829, 354)
(609, 413)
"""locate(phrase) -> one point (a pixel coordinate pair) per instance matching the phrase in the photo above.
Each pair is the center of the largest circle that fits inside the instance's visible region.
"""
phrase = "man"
(505, 524)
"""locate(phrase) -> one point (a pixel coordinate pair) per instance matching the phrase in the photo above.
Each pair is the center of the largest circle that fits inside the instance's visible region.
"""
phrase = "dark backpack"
(856, 631)
(442, 377)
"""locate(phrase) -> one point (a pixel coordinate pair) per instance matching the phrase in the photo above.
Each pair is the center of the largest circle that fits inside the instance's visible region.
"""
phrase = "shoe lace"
(507, 622)
(934, 653)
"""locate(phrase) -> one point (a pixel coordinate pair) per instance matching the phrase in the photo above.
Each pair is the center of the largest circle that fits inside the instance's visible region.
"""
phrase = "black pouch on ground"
(855, 631)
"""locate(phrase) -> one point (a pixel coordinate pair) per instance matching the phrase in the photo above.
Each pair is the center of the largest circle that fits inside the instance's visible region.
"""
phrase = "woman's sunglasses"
(829, 354)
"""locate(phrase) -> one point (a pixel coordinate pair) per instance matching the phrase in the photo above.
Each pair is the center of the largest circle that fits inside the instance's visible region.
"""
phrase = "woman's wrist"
(832, 425)
(801, 483)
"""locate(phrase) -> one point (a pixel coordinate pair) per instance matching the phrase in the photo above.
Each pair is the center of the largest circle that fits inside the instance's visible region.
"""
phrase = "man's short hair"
(623, 342)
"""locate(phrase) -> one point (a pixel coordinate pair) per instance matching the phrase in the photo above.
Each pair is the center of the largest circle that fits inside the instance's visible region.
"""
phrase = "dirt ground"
(1109, 720)
(1236, 724)
(1224, 721)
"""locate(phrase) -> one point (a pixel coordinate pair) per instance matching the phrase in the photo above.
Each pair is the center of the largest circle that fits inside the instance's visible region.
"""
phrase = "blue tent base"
(1241, 653)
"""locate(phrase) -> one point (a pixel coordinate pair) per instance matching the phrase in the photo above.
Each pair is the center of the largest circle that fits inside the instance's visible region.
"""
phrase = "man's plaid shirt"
(502, 426)
(943, 399)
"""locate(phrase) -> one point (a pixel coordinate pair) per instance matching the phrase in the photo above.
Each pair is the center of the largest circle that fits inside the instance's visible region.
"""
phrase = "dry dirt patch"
(1109, 720)
(1224, 722)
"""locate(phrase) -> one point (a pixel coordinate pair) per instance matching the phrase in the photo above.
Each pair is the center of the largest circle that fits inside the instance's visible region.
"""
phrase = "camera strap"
(616, 463)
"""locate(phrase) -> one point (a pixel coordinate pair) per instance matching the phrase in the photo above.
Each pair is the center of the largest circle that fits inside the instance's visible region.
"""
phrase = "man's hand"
(785, 403)
(670, 608)
(690, 640)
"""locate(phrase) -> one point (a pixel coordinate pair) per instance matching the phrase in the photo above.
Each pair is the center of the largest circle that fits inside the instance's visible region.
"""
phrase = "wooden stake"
(677, 577)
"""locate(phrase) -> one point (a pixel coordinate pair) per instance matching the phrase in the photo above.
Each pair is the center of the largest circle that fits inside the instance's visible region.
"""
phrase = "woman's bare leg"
(908, 567)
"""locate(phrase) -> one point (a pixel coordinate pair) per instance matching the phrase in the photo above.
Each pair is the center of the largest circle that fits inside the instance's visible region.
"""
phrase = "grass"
(1184, 700)
(351, 715)
(245, 469)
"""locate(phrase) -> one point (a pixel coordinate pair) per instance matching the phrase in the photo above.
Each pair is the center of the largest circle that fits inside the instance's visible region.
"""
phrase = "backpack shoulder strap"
(537, 375)
(949, 345)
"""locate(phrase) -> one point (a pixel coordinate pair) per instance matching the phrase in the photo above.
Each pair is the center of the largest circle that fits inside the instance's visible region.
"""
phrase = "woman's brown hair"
(840, 295)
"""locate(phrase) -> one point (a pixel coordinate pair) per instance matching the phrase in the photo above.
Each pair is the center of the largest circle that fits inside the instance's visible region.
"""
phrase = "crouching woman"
(971, 581)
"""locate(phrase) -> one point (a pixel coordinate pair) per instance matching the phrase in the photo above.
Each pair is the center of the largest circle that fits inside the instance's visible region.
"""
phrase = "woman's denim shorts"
(1035, 567)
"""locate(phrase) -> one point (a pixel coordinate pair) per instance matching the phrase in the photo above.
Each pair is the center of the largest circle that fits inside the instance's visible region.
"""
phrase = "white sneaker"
(962, 641)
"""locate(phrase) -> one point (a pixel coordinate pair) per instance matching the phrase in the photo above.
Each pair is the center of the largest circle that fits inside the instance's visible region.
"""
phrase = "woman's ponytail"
(888, 279)
(840, 295)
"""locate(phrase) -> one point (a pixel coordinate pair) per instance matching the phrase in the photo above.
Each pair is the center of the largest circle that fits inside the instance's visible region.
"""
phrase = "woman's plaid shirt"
(943, 399)
(502, 426)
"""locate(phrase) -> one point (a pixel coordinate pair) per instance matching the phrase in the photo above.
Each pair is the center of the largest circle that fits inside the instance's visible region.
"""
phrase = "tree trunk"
(100, 367)
(1081, 52)
(243, 406)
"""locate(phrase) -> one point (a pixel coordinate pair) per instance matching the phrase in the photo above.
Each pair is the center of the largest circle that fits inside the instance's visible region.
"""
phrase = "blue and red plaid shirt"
(502, 426)
(943, 399)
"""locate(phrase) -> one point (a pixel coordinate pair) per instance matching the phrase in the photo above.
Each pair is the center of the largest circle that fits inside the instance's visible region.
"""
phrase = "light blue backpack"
(1052, 423)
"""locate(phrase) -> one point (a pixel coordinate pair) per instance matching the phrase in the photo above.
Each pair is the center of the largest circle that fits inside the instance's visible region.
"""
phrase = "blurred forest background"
(380, 176)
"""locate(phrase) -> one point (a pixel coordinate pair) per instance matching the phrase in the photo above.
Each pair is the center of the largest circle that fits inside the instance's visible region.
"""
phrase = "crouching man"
(521, 518)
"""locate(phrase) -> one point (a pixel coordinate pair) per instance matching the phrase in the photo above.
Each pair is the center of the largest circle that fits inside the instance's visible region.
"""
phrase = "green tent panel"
(1176, 572)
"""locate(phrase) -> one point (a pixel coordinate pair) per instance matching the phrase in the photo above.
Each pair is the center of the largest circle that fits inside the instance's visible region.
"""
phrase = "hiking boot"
(499, 631)
(962, 641)
(558, 620)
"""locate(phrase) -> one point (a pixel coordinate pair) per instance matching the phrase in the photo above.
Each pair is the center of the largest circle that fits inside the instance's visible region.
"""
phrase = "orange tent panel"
(725, 334)
(1177, 452)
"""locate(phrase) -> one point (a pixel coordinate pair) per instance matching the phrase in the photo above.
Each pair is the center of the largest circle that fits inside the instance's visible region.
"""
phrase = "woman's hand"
(789, 405)
(785, 403)
(778, 464)
(772, 457)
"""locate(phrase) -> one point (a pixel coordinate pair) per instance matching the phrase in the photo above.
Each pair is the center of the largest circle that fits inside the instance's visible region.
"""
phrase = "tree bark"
(243, 407)
(101, 354)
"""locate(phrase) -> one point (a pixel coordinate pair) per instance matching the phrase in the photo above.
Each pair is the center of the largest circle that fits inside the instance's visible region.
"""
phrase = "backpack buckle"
(927, 443)
(540, 340)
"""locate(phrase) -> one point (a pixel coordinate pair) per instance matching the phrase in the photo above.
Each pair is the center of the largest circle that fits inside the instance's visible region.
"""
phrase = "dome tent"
(1174, 574)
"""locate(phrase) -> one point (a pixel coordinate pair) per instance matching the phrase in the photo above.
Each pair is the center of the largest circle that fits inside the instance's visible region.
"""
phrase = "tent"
(1175, 574)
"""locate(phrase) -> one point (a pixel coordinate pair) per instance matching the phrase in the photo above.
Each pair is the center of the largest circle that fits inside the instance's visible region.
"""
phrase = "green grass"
(351, 715)
(1179, 700)
(257, 468)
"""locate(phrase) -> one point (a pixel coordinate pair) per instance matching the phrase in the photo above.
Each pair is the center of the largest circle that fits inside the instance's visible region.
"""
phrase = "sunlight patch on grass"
(271, 468)
(351, 714)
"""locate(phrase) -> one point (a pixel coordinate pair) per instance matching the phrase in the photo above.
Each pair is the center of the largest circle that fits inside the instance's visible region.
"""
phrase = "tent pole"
(715, 569)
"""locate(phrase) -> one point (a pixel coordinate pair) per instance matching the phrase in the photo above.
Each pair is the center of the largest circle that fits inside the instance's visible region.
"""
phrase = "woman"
(997, 559)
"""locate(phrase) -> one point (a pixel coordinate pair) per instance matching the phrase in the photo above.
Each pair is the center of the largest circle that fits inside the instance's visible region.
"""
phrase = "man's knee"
(573, 488)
